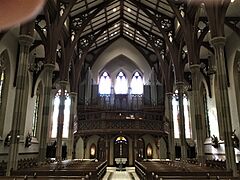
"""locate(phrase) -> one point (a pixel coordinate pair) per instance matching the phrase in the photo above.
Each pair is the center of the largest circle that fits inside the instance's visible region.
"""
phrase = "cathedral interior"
(145, 84)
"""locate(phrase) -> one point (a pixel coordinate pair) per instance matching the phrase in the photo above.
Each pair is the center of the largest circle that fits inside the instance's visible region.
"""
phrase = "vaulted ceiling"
(102, 22)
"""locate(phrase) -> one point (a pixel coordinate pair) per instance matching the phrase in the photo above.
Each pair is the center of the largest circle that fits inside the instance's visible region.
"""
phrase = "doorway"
(121, 151)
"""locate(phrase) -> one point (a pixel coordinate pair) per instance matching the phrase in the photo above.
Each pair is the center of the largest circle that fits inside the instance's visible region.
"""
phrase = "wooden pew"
(87, 169)
(156, 170)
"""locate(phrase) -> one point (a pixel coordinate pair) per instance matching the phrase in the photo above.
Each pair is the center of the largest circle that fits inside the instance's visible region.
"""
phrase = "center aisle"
(129, 174)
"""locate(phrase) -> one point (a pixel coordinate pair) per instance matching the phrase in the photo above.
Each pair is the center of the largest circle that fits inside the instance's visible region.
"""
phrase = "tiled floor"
(129, 174)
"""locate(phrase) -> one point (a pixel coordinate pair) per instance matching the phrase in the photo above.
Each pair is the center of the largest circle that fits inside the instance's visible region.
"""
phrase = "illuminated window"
(105, 84)
(175, 106)
(35, 114)
(66, 115)
(188, 126)
(1, 86)
(176, 116)
(121, 86)
(137, 84)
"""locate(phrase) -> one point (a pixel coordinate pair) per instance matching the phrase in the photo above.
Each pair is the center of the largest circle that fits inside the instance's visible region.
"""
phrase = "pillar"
(135, 148)
(107, 148)
(19, 114)
(62, 98)
(195, 71)
(180, 86)
(73, 115)
(171, 145)
(47, 103)
(223, 107)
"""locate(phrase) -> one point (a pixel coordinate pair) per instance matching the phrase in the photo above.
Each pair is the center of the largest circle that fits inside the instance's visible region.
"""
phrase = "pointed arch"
(56, 103)
(105, 83)
(121, 83)
(137, 83)
(5, 73)
(37, 111)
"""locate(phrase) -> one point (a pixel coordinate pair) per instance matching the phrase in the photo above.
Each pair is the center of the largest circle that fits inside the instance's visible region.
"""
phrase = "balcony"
(121, 121)
(120, 113)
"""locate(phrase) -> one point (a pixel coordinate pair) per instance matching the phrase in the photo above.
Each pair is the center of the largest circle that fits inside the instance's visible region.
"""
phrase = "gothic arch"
(4, 56)
(236, 76)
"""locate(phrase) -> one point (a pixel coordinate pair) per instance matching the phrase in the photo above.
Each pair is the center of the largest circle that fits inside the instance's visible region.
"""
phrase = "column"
(195, 71)
(19, 114)
(157, 144)
(47, 103)
(107, 147)
(73, 115)
(180, 86)
(171, 146)
(218, 44)
(62, 98)
(135, 148)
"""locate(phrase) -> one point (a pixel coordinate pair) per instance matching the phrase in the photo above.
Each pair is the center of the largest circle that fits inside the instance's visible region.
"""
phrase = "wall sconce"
(7, 140)
(235, 139)
(149, 151)
(28, 141)
(35, 66)
(92, 151)
(215, 141)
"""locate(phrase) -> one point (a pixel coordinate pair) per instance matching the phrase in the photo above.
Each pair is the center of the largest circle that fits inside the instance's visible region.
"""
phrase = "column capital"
(25, 39)
(73, 94)
(194, 68)
(179, 83)
(218, 41)
(49, 65)
(169, 93)
(63, 83)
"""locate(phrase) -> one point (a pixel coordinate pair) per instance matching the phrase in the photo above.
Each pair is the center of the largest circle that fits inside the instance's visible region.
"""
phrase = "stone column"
(195, 71)
(107, 147)
(62, 98)
(223, 102)
(180, 86)
(19, 114)
(171, 145)
(73, 115)
(47, 103)
(135, 148)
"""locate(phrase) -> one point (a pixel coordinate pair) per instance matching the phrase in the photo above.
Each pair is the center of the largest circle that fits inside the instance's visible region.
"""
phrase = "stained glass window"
(105, 84)
(137, 84)
(1, 86)
(121, 85)
(176, 116)
(66, 115)
(35, 114)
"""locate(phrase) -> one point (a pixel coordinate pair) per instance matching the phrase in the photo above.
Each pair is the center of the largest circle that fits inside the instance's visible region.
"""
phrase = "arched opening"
(121, 84)
(5, 73)
(37, 111)
(56, 104)
(187, 119)
(101, 150)
(105, 84)
(140, 149)
(121, 151)
(137, 84)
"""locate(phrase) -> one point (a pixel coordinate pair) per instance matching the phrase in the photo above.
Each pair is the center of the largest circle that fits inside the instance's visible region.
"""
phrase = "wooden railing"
(125, 125)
